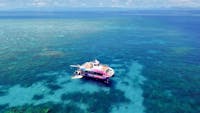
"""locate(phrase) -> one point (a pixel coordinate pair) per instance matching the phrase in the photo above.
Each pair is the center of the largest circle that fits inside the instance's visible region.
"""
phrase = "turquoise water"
(156, 59)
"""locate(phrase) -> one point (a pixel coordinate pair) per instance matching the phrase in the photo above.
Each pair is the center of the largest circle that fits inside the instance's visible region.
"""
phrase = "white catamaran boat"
(93, 69)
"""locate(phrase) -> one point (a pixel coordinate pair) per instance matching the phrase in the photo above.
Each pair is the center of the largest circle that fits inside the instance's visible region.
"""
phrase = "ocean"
(155, 55)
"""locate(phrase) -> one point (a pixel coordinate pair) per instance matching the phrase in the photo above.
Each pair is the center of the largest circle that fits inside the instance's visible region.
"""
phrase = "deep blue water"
(156, 57)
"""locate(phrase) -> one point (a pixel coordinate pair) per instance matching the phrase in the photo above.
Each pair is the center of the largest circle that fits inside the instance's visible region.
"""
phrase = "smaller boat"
(93, 69)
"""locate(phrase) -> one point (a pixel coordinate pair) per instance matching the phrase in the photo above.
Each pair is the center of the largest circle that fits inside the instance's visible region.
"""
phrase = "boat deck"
(90, 65)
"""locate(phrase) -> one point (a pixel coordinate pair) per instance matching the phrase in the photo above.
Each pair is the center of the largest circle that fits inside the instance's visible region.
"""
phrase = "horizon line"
(93, 9)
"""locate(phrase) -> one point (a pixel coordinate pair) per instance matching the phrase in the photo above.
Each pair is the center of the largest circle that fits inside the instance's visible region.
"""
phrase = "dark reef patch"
(53, 87)
(3, 92)
(174, 90)
(2, 107)
(45, 108)
(102, 99)
(38, 97)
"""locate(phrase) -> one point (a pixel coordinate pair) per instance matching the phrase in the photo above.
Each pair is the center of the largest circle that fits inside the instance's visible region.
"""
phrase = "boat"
(93, 69)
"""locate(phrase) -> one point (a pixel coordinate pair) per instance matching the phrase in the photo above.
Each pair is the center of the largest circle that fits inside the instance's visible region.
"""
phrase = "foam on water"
(132, 90)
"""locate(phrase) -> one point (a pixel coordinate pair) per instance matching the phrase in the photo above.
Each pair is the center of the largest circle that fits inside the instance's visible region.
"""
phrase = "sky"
(67, 4)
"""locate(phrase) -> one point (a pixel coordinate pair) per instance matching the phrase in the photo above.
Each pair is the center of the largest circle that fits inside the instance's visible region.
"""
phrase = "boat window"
(98, 73)
(108, 70)
(95, 73)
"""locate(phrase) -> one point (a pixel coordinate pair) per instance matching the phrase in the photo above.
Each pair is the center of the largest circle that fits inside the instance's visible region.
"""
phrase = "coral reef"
(38, 97)
(98, 102)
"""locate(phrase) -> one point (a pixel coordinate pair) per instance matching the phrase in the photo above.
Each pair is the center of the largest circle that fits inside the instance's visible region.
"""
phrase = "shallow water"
(156, 59)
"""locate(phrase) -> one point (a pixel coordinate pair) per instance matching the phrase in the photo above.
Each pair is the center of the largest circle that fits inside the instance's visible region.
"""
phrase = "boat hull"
(95, 76)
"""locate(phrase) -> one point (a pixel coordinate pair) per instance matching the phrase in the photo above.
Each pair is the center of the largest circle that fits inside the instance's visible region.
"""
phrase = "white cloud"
(184, 3)
(129, 3)
(114, 3)
(39, 3)
(121, 3)
(2, 5)
(100, 4)
(83, 4)
(8, 4)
